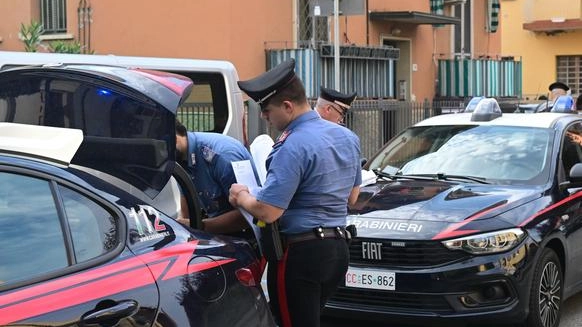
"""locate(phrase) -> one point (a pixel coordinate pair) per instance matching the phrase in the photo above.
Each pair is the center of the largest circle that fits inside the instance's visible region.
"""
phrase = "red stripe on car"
(101, 282)
(453, 230)
(553, 206)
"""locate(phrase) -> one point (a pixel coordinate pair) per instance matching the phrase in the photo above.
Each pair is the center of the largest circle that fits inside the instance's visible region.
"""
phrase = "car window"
(134, 136)
(31, 238)
(93, 228)
(572, 147)
(205, 109)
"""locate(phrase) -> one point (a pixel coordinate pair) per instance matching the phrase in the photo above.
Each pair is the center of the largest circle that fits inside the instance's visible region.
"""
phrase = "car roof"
(540, 120)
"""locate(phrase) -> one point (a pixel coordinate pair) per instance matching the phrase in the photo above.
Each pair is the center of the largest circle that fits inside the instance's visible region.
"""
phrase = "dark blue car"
(89, 193)
(473, 217)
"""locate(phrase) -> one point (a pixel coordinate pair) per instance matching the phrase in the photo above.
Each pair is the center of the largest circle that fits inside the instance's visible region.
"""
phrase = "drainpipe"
(367, 24)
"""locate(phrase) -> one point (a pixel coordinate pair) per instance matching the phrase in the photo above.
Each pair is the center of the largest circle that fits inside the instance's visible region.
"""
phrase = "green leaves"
(65, 46)
(30, 35)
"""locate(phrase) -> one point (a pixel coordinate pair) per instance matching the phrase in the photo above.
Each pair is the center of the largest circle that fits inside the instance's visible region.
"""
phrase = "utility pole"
(336, 54)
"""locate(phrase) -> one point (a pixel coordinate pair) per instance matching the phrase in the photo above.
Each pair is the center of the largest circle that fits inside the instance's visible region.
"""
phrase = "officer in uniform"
(207, 158)
(313, 171)
(558, 89)
(333, 105)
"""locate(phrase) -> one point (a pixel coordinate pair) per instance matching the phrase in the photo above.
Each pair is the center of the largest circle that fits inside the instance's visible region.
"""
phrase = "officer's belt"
(318, 233)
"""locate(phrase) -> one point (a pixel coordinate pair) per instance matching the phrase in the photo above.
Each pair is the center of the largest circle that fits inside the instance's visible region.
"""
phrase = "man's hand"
(183, 221)
(235, 191)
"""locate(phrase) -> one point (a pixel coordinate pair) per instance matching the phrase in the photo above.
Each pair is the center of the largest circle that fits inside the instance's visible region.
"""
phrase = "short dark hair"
(579, 102)
(294, 92)
(181, 129)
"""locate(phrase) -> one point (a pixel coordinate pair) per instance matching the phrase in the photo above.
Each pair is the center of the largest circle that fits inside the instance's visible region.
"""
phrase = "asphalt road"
(571, 317)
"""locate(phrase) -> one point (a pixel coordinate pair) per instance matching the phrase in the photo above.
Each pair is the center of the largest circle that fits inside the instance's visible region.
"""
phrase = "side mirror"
(576, 173)
(575, 179)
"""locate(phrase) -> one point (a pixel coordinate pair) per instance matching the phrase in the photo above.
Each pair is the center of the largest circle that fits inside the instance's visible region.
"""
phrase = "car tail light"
(250, 275)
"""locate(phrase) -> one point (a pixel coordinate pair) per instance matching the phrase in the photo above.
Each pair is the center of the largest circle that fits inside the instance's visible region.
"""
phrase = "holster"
(271, 242)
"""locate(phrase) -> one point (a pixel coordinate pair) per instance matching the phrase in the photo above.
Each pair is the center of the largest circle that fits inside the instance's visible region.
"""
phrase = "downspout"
(367, 24)
(79, 22)
(89, 20)
(463, 30)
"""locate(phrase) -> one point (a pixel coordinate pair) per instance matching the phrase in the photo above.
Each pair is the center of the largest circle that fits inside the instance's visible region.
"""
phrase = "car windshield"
(496, 154)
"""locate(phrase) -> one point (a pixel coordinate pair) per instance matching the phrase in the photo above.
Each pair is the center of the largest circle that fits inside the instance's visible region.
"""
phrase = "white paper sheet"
(243, 171)
(260, 149)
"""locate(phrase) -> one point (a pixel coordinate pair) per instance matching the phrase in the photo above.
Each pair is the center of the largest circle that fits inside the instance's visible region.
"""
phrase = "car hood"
(425, 210)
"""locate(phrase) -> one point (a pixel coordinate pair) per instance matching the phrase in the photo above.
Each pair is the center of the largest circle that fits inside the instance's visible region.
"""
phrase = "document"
(243, 171)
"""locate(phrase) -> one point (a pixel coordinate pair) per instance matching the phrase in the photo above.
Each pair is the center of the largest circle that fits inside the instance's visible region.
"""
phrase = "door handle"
(111, 315)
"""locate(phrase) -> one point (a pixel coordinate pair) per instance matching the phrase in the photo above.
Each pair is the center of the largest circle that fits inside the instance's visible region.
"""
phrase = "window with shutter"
(53, 16)
(569, 71)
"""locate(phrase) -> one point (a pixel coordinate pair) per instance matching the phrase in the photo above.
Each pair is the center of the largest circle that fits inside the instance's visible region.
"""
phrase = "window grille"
(313, 30)
(569, 71)
(53, 16)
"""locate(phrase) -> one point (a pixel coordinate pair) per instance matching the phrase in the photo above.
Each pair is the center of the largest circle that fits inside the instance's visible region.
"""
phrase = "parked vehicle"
(215, 103)
(474, 217)
(87, 199)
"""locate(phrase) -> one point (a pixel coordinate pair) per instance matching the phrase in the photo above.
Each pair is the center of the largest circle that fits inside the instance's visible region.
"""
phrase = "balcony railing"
(491, 77)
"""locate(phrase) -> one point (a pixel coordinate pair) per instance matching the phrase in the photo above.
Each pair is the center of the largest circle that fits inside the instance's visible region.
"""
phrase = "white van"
(215, 103)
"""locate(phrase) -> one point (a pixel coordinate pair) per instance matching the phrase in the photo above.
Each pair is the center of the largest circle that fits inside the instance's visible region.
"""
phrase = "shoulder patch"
(208, 154)
(281, 139)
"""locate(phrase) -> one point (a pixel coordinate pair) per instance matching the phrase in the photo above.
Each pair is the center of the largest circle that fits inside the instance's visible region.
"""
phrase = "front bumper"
(477, 288)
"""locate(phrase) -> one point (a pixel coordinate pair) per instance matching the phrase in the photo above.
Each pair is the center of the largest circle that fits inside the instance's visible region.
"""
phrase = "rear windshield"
(124, 134)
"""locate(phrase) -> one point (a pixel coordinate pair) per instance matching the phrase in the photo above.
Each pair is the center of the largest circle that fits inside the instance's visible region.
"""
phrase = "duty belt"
(318, 233)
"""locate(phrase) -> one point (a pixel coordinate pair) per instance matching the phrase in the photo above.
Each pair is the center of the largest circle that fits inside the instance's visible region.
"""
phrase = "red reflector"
(245, 276)
(251, 274)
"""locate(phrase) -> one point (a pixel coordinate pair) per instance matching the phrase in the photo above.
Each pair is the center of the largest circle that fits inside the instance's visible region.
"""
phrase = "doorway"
(402, 70)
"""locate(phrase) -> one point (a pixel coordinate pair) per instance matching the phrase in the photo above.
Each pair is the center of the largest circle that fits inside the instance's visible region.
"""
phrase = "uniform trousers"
(302, 281)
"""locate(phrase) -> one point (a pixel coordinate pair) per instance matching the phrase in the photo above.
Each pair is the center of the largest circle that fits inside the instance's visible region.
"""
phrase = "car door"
(64, 261)
(571, 154)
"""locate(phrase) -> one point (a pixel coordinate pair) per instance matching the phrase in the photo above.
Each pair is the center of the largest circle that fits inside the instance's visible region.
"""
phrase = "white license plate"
(374, 279)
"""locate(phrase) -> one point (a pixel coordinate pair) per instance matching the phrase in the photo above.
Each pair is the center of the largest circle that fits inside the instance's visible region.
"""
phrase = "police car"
(89, 192)
(473, 217)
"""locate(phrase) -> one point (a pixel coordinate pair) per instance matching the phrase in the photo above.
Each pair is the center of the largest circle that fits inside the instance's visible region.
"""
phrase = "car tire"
(545, 305)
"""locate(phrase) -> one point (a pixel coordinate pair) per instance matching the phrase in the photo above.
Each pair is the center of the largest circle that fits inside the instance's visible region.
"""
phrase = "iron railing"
(374, 121)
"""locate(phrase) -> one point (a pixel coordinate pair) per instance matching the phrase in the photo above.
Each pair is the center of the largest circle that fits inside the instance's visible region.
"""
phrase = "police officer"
(313, 171)
(333, 105)
(557, 89)
(207, 158)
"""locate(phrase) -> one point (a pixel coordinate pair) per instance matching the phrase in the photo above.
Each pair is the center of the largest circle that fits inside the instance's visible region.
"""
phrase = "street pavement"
(571, 317)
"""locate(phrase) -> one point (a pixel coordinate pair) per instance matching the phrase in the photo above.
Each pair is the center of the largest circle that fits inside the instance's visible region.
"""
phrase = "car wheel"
(545, 305)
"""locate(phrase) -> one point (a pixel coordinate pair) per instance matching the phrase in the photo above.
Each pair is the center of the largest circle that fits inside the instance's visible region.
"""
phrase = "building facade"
(417, 49)
(546, 34)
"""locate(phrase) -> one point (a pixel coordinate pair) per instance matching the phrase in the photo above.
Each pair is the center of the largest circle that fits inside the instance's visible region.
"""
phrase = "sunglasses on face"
(339, 111)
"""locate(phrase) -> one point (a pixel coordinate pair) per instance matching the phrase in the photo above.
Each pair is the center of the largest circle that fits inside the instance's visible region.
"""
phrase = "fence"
(374, 121)
(377, 121)
(197, 116)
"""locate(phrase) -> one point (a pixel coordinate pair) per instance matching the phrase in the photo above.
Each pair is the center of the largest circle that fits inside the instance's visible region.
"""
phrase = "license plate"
(373, 279)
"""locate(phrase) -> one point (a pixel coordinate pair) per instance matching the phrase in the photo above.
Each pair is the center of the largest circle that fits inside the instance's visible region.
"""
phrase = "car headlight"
(493, 242)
